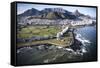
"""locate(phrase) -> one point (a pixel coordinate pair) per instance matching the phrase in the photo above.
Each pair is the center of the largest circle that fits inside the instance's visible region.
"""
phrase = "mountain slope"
(52, 13)
(30, 12)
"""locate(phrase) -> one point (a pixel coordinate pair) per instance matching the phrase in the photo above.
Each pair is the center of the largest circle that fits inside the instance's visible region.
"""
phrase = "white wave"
(68, 49)
(81, 39)
(84, 50)
(87, 41)
(59, 47)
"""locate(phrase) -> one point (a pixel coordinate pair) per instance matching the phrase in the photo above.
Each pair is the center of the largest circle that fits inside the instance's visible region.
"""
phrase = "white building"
(60, 34)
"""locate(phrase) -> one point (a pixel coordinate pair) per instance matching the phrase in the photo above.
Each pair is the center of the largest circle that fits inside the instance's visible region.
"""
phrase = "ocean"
(48, 53)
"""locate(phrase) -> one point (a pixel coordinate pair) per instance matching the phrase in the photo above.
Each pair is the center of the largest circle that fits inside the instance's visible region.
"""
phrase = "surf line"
(79, 43)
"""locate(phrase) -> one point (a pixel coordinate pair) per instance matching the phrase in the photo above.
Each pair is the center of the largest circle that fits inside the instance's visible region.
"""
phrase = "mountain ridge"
(52, 13)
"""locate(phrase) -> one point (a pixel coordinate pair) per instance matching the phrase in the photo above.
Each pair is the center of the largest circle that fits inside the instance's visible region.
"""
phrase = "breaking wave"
(84, 42)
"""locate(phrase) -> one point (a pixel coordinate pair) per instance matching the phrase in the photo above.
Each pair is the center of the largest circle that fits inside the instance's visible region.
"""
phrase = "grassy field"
(29, 31)
(65, 42)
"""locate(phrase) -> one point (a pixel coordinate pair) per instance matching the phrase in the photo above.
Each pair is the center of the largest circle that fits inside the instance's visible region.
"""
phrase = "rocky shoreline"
(46, 54)
(49, 53)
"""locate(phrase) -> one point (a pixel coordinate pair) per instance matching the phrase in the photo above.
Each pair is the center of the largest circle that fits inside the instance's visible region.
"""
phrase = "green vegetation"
(29, 31)
(64, 42)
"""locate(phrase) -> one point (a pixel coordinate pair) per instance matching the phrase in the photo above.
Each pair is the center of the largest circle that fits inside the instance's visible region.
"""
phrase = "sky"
(21, 7)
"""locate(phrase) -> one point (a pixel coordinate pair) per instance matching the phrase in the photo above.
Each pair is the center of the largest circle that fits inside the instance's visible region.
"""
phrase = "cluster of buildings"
(36, 21)
(83, 22)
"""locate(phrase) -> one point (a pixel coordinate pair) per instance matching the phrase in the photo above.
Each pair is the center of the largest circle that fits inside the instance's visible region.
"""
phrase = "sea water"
(46, 53)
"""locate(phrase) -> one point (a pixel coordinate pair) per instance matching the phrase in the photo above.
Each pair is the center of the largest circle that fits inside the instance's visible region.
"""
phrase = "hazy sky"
(21, 7)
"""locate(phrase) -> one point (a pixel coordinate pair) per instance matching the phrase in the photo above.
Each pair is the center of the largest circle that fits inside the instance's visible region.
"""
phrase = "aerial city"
(55, 34)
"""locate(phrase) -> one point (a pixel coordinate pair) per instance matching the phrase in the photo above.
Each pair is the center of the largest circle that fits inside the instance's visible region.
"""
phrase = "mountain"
(49, 13)
(30, 12)
(83, 16)
(59, 10)
(56, 13)
(52, 13)
(77, 13)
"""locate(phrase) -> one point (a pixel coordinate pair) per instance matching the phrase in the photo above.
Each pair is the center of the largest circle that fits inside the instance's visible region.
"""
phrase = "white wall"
(5, 34)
